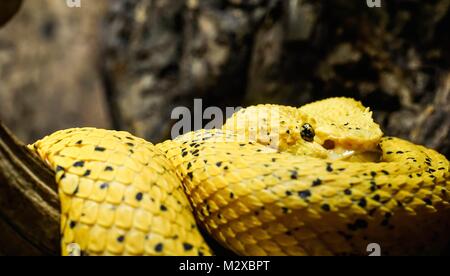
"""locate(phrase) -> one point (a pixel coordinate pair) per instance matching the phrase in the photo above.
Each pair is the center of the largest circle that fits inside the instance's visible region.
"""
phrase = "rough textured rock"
(161, 54)
(49, 68)
(395, 59)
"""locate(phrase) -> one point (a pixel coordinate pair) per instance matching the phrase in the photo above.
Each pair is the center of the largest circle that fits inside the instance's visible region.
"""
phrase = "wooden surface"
(29, 205)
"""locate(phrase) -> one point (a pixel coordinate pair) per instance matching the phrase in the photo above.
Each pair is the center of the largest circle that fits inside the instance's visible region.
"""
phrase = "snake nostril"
(329, 144)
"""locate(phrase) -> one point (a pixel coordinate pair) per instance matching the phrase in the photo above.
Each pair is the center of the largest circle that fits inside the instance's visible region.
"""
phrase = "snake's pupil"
(308, 133)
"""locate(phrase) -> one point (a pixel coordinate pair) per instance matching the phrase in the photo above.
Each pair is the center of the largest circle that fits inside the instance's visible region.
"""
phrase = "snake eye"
(308, 133)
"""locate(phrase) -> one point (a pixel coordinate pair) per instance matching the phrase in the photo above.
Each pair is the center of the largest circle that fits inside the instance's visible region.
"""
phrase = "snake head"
(282, 128)
(344, 126)
(337, 128)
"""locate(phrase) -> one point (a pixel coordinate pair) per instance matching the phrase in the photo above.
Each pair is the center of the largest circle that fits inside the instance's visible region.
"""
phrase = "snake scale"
(321, 179)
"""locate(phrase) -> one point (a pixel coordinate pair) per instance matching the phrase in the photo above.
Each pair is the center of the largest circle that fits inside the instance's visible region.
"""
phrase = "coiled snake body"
(315, 180)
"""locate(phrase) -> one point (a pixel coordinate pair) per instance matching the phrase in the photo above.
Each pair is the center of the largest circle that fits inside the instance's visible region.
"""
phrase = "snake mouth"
(339, 152)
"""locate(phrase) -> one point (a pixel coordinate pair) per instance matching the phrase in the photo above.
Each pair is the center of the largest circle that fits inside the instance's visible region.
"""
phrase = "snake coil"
(316, 180)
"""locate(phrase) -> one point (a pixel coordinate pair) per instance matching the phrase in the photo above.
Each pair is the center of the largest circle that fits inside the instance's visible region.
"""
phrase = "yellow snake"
(276, 180)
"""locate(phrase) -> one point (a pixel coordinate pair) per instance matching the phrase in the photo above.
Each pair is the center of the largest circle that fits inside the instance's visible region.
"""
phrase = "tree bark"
(29, 205)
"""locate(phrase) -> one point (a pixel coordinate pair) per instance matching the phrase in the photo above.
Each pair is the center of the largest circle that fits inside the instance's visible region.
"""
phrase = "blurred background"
(125, 64)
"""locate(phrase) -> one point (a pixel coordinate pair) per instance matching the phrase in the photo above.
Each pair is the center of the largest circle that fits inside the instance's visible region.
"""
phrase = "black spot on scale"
(373, 174)
(121, 239)
(187, 246)
(373, 186)
(385, 172)
(72, 224)
(159, 247)
(294, 175)
(163, 208)
(109, 169)
(184, 154)
(428, 201)
(329, 167)
(79, 164)
(326, 207)
(231, 195)
(139, 196)
(79, 142)
(87, 173)
(304, 194)
(317, 182)
(104, 186)
(362, 203)
(348, 192)
(377, 198)
(190, 175)
(59, 169)
(100, 149)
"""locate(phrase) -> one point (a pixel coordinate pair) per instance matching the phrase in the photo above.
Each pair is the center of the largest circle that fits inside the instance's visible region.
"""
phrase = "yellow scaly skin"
(261, 186)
